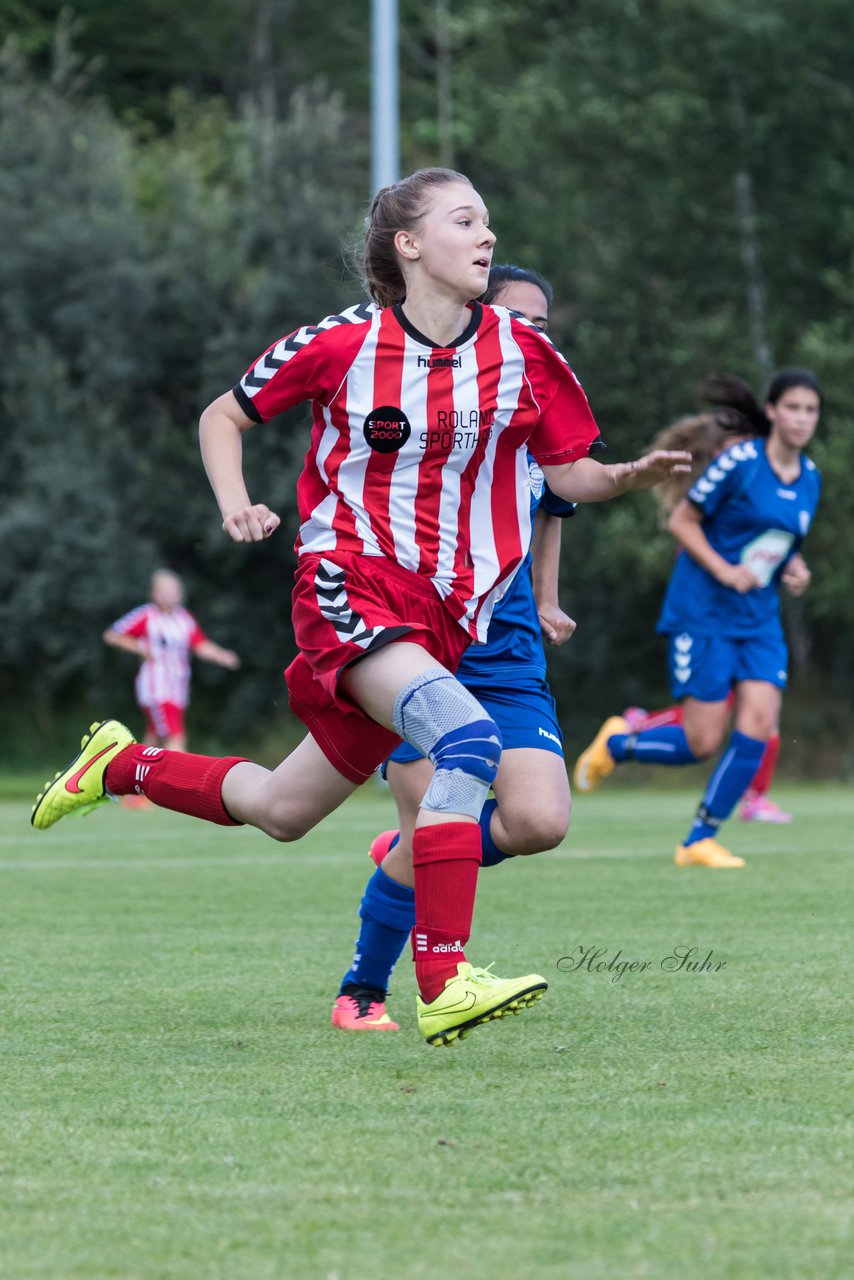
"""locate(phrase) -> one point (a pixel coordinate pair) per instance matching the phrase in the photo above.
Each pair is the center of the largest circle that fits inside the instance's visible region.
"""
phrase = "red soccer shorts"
(164, 720)
(345, 606)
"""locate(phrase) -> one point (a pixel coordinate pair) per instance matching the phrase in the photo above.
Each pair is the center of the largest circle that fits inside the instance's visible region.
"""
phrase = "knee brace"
(436, 714)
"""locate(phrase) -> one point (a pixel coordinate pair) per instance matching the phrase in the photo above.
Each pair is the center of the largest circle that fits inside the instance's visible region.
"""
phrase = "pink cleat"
(635, 718)
(358, 1012)
(381, 844)
(758, 808)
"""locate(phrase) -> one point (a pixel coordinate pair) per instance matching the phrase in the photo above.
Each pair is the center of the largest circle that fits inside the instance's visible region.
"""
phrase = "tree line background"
(179, 186)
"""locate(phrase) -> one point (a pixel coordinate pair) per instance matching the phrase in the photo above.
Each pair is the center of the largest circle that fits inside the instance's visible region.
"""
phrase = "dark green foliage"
(176, 185)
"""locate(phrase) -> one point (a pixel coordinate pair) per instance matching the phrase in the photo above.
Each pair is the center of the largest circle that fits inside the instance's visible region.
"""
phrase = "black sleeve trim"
(555, 506)
(598, 445)
(246, 404)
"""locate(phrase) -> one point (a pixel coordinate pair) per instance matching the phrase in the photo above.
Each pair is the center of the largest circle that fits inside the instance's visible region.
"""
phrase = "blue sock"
(491, 854)
(388, 915)
(667, 745)
(727, 785)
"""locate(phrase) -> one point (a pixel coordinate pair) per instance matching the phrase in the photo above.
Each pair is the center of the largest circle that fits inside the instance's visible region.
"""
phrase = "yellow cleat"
(706, 853)
(596, 762)
(472, 997)
(80, 787)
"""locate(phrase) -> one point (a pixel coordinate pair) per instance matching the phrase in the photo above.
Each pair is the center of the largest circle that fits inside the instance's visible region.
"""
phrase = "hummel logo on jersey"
(544, 733)
(440, 362)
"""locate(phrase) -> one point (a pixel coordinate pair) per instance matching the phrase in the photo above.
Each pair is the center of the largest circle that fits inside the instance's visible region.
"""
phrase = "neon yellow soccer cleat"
(706, 853)
(596, 762)
(80, 787)
(473, 997)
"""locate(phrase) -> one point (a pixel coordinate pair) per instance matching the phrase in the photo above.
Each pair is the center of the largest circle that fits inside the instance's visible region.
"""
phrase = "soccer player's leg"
(705, 723)
(664, 739)
(530, 812)
(757, 713)
(387, 910)
(435, 713)
(756, 805)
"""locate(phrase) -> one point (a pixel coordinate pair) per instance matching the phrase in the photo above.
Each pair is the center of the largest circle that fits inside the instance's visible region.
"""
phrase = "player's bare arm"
(210, 651)
(221, 430)
(686, 525)
(130, 644)
(589, 481)
(557, 626)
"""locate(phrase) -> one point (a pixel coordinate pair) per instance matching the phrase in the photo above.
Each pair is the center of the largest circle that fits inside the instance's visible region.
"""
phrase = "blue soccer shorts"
(706, 667)
(524, 711)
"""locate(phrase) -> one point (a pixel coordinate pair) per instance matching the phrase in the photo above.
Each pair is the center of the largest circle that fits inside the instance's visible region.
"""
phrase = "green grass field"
(176, 1105)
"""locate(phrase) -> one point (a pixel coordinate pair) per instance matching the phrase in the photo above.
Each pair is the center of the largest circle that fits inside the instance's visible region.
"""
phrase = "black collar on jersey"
(469, 331)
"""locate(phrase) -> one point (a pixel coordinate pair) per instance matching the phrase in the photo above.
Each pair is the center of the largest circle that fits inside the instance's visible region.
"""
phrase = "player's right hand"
(739, 578)
(251, 524)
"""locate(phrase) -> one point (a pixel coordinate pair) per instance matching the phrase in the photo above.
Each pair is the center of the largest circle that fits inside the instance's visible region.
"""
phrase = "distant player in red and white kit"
(165, 636)
(415, 508)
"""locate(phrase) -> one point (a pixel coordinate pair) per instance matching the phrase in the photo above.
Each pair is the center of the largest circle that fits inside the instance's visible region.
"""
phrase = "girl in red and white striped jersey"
(165, 635)
(415, 511)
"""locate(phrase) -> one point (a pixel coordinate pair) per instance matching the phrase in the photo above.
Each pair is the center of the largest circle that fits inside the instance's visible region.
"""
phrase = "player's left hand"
(555, 625)
(796, 576)
(654, 467)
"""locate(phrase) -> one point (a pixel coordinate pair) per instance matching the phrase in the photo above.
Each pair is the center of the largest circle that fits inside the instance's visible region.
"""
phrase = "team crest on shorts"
(387, 429)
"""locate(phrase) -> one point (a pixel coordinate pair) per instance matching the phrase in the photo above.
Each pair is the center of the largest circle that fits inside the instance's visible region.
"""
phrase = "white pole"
(385, 138)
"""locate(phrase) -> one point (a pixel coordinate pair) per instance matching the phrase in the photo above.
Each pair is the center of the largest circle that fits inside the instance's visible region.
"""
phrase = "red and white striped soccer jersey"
(165, 675)
(419, 453)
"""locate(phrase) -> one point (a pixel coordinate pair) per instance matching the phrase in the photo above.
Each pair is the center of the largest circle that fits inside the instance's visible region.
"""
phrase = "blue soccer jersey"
(751, 517)
(515, 644)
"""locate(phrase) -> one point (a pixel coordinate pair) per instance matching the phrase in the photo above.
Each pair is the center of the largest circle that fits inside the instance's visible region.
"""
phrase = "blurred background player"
(756, 804)
(507, 675)
(740, 529)
(165, 636)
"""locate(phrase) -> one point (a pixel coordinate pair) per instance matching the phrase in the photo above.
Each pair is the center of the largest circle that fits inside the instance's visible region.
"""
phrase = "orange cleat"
(358, 1012)
(706, 853)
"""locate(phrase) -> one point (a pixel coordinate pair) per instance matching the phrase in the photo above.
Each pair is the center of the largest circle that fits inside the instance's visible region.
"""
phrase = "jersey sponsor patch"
(764, 555)
(387, 429)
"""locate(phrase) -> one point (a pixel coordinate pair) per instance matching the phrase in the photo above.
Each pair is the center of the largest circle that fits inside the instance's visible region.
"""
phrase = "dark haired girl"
(740, 526)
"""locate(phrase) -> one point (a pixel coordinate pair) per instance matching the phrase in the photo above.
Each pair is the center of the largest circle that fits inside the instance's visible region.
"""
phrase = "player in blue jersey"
(740, 528)
(508, 677)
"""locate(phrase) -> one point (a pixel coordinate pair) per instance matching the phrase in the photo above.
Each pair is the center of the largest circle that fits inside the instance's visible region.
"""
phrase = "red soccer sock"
(764, 775)
(446, 859)
(661, 719)
(174, 780)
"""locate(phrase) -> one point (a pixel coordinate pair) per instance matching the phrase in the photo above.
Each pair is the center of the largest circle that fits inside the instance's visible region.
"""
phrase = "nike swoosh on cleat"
(463, 1006)
(71, 784)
